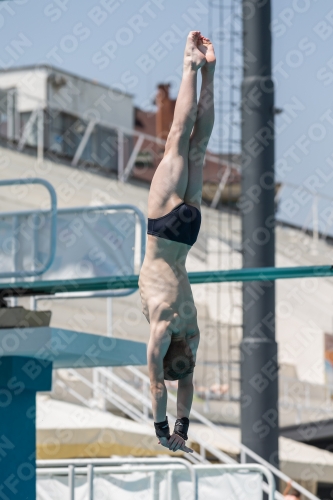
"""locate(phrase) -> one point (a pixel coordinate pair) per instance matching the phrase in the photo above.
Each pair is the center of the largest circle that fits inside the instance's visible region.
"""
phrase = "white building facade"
(65, 112)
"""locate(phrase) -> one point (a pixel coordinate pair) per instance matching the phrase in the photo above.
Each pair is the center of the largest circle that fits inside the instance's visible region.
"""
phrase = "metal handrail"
(123, 129)
(101, 208)
(53, 234)
(116, 462)
(116, 466)
(271, 487)
(107, 293)
(93, 208)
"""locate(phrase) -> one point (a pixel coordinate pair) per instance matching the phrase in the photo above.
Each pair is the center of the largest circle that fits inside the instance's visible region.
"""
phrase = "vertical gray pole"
(259, 382)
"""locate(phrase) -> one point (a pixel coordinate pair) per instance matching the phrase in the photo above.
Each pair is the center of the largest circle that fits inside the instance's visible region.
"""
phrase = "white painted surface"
(77, 96)
(31, 87)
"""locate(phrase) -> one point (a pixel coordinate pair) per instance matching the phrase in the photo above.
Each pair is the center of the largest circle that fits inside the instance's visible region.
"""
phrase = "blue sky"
(134, 45)
(303, 62)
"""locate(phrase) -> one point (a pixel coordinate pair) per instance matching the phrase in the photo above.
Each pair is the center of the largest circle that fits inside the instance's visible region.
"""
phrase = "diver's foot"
(207, 48)
(193, 57)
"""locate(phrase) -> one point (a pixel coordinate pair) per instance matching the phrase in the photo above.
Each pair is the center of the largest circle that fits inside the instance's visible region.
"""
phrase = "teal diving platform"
(27, 357)
(70, 349)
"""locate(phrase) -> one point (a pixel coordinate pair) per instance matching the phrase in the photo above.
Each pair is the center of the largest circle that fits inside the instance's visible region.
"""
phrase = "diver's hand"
(175, 443)
(164, 442)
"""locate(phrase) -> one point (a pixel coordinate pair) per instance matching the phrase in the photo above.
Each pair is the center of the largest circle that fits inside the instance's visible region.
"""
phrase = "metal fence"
(90, 468)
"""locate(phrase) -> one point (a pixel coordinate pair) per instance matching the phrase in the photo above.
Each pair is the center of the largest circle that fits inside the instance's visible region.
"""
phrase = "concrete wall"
(303, 315)
(30, 85)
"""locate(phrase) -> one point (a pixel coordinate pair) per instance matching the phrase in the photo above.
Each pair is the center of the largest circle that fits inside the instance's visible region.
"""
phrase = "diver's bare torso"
(165, 289)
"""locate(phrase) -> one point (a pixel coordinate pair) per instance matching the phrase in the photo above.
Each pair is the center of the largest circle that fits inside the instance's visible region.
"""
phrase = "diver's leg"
(171, 177)
(202, 129)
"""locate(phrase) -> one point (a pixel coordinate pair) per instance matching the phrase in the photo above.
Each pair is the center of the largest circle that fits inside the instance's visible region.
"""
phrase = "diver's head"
(178, 361)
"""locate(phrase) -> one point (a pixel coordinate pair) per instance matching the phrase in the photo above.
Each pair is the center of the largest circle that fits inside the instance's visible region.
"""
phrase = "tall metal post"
(259, 376)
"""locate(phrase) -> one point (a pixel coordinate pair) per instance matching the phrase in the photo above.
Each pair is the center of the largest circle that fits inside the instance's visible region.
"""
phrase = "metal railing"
(114, 466)
(53, 231)
(93, 467)
(107, 293)
(124, 169)
(53, 239)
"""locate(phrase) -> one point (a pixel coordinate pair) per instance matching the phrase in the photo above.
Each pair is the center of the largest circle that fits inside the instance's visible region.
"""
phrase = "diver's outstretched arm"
(158, 345)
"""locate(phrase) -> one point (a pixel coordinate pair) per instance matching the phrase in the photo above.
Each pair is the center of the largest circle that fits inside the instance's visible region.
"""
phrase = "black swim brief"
(182, 224)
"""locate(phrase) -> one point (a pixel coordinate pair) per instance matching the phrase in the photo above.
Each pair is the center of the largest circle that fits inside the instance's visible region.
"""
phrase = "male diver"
(174, 220)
